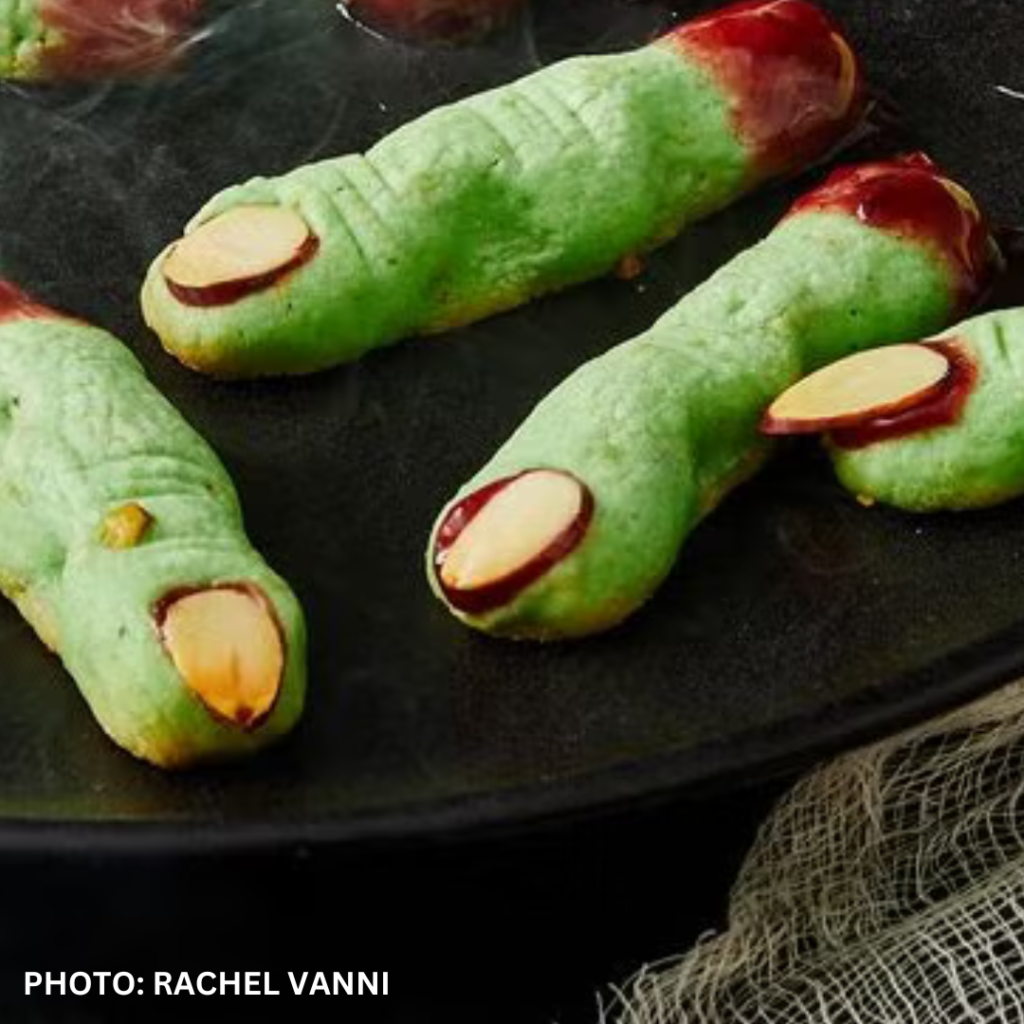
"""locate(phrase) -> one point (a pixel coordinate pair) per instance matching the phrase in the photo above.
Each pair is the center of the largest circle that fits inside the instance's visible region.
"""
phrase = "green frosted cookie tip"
(962, 449)
(122, 544)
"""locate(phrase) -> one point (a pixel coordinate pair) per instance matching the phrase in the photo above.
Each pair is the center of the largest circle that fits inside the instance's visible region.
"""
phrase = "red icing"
(502, 591)
(115, 35)
(794, 81)
(16, 305)
(942, 407)
(911, 197)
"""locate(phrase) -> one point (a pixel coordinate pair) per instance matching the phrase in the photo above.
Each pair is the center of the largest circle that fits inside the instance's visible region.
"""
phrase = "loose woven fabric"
(888, 886)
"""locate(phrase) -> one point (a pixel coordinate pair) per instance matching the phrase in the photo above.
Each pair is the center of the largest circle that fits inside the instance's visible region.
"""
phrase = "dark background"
(517, 926)
(525, 922)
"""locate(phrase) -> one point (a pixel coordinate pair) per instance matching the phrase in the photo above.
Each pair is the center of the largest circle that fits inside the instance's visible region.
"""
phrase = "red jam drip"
(501, 591)
(910, 197)
(16, 305)
(942, 408)
(229, 292)
(115, 35)
(795, 84)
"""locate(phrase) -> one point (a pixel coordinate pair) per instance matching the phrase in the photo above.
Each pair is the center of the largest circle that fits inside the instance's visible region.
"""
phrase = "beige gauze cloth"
(887, 886)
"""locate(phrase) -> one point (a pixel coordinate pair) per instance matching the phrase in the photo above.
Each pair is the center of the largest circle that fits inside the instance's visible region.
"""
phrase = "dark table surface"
(526, 923)
(514, 927)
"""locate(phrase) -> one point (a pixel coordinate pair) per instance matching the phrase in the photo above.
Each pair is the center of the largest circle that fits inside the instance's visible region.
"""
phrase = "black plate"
(795, 622)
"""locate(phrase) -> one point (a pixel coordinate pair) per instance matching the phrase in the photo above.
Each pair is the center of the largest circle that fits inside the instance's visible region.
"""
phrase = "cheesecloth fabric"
(887, 886)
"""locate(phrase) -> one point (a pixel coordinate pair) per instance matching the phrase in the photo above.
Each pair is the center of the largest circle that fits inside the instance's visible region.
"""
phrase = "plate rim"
(951, 681)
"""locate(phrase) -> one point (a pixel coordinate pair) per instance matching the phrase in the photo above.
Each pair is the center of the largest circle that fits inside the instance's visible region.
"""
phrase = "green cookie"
(121, 542)
(482, 205)
(658, 430)
(975, 461)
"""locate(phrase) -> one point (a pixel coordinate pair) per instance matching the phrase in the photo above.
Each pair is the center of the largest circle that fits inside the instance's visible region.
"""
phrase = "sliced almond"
(849, 73)
(963, 198)
(861, 387)
(236, 253)
(521, 528)
(227, 645)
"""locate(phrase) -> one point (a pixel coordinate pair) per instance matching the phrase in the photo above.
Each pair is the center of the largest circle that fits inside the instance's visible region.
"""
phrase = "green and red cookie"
(482, 205)
(42, 40)
(581, 514)
(924, 426)
(122, 544)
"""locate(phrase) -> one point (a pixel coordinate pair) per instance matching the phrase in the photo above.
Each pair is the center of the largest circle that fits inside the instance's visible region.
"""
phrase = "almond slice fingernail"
(237, 253)
(505, 536)
(859, 388)
(849, 73)
(227, 646)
